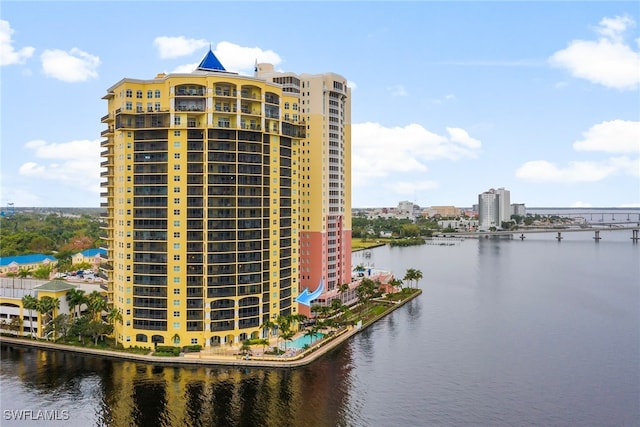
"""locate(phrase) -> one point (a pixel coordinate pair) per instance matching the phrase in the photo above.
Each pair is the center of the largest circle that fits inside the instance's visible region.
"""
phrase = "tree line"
(37, 233)
(88, 323)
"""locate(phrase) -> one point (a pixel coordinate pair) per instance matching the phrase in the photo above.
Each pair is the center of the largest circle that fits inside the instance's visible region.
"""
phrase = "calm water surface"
(506, 333)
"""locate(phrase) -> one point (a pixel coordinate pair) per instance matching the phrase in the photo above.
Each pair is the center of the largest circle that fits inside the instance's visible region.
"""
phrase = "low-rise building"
(94, 257)
(14, 264)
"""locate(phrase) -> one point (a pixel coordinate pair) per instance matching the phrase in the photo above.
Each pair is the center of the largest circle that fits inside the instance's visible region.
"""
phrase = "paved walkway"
(217, 356)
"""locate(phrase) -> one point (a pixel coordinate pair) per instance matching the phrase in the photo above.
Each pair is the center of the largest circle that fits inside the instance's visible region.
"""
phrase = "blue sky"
(450, 99)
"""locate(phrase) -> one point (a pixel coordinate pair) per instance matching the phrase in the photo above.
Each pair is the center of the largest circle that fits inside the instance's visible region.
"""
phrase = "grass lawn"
(358, 243)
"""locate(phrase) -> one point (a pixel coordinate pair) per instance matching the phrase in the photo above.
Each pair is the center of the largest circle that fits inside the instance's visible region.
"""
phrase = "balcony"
(107, 132)
(189, 91)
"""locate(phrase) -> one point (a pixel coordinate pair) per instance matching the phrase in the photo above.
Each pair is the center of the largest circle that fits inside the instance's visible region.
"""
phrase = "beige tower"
(324, 172)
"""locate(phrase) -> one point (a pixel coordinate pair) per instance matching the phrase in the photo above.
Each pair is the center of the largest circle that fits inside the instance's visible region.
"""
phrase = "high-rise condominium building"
(214, 192)
(324, 174)
(494, 207)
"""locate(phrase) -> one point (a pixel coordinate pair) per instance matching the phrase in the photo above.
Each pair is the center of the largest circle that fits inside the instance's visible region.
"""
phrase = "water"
(506, 333)
(304, 340)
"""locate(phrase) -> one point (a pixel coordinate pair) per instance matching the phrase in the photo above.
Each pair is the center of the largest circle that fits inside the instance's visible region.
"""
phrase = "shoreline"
(199, 359)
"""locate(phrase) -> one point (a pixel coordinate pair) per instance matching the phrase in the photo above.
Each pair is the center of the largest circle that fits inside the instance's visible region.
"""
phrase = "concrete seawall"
(203, 359)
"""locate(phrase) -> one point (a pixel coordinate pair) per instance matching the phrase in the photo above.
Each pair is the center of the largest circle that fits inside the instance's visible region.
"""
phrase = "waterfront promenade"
(225, 357)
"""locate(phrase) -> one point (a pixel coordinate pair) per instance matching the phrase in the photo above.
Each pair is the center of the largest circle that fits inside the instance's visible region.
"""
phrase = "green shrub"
(172, 351)
(194, 348)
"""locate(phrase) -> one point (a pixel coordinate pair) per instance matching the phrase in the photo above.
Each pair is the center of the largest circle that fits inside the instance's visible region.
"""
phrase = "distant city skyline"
(449, 98)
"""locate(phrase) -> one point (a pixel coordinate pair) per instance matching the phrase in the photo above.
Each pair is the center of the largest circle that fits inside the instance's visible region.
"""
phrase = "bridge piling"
(559, 236)
(522, 236)
(597, 236)
(634, 236)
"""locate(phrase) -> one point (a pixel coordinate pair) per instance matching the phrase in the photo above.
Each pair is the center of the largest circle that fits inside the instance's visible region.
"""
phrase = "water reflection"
(123, 393)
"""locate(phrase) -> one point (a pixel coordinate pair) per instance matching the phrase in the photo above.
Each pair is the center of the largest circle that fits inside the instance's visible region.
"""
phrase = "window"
(176, 167)
(157, 93)
(177, 202)
(129, 93)
(176, 223)
(176, 133)
(176, 280)
(176, 189)
(156, 106)
(176, 314)
(176, 211)
(139, 94)
(176, 302)
(176, 268)
(149, 94)
(176, 325)
(286, 105)
(176, 257)
(176, 144)
(176, 155)
(176, 291)
(194, 340)
(176, 120)
(176, 245)
(128, 106)
(176, 178)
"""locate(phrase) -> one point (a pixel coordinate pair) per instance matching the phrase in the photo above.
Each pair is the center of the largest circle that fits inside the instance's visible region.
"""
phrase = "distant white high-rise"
(494, 207)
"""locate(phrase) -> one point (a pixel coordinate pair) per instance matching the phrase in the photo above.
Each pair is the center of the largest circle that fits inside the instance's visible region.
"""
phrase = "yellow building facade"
(201, 196)
(324, 176)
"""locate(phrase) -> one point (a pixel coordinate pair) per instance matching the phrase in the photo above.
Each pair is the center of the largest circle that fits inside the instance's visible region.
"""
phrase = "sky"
(449, 99)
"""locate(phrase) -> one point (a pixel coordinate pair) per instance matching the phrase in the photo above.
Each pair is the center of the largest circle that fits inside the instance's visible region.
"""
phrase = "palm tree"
(47, 307)
(114, 316)
(396, 283)
(29, 302)
(312, 333)
(343, 289)
(75, 298)
(410, 275)
(286, 336)
(417, 276)
(24, 273)
(284, 329)
(267, 326)
(297, 319)
(96, 304)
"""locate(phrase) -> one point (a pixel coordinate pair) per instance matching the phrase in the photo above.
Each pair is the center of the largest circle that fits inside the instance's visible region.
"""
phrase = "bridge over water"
(521, 232)
(592, 215)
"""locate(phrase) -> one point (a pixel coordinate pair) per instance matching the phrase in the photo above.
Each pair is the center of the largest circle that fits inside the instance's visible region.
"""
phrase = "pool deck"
(220, 356)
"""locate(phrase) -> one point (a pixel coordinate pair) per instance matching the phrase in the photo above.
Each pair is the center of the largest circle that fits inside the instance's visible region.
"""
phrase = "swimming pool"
(303, 340)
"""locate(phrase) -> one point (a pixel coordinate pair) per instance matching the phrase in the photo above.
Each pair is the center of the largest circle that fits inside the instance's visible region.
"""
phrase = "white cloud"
(352, 85)
(72, 164)
(186, 68)
(612, 28)
(234, 58)
(462, 137)
(574, 172)
(379, 151)
(73, 66)
(175, 47)
(608, 61)
(397, 90)
(8, 54)
(242, 59)
(616, 136)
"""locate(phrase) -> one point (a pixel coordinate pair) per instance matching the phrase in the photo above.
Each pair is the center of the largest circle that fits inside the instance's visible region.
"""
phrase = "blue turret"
(210, 63)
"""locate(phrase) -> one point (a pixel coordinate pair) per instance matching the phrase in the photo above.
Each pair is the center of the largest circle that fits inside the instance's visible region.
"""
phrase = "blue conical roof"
(210, 63)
